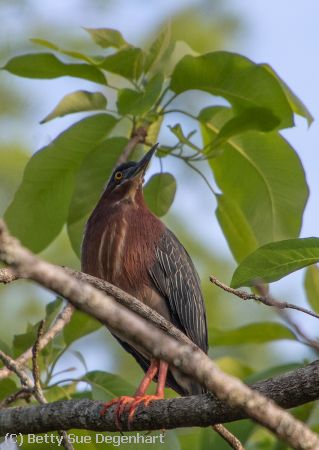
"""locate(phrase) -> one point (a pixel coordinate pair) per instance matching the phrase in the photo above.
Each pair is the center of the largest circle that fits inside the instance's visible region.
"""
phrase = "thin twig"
(299, 332)
(266, 300)
(23, 393)
(228, 437)
(38, 393)
(15, 367)
(138, 137)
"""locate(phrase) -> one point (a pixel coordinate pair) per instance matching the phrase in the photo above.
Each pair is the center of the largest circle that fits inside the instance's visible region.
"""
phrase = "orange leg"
(146, 399)
(125, 400)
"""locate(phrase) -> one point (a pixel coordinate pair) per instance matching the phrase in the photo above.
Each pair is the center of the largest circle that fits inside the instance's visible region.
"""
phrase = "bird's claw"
(122, 404)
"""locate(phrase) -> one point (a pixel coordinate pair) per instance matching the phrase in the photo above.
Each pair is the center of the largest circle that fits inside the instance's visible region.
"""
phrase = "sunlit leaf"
(40, 206)
(137, 103)
(92, 176)
(256, 166)
(128, 63)
(52, 46)
(80, 325)
(107, 37)
(77, 101)
(107, 385)
(233, 367)
(296, 104)
(244, 84)
(273, 261)
(158, 48)
(240, 235)
(312, 287)
(46, 65)
(159, 193)
(23, 341)
(254, 333)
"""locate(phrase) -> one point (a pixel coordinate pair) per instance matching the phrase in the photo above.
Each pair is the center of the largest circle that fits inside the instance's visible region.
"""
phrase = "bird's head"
(127, 178)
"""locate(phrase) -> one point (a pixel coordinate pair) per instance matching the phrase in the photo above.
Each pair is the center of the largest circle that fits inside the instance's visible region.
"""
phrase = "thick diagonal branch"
(143, 334)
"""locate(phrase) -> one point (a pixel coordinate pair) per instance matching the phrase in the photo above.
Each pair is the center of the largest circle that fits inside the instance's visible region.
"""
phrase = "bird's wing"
(175, 277)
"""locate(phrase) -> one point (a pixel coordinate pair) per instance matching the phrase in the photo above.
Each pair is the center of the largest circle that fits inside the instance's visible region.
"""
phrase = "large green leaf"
(107, 385)
(46, 65)
(236, 228)
(127, 62)
(80, 325)
(137, 103)
(159, 193)
(296, 104)
(254, 333)
(90, 179)
(237, 79)
(276, 260)
(262, 176)
(312, 287)
(107, 37)
(77, 101)
(40, 206)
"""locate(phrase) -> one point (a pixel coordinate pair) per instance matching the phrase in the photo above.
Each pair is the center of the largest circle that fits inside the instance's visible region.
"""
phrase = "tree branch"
(265, 299)
(153, 341)
(288, 390)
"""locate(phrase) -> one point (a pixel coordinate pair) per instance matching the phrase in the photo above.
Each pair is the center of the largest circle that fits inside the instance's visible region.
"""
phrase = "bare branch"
(154, 342)
(266, 300)
(228, 437)
(288, 390)
(38, 393)
(138, 136)
(15, 367)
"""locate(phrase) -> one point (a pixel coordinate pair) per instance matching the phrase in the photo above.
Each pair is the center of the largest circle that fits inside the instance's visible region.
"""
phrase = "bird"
(125, 244)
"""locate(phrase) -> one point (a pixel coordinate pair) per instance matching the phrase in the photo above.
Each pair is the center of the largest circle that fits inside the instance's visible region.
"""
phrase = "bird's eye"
(118, 176)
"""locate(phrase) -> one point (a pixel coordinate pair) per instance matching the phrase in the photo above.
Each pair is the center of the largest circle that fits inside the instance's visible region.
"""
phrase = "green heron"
(128, 246)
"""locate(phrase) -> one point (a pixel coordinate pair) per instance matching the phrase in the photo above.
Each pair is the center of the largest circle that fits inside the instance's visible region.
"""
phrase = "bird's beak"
(142, 165)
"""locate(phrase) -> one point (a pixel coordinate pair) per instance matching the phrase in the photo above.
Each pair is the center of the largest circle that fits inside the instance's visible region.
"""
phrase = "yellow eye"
(118, 176)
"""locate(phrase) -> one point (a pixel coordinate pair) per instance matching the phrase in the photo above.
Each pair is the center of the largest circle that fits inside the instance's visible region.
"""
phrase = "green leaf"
(233, 367)
(179, 133)
(93, 174)
(311, 284)
(105, 385)
(260, 119)
(236, 228)
(52, 46)
(46, 65)
(256, 166)
(272, 372)
(40, 206)
(244, 84)
(295, 103)
(138, 103)
(80, 325)
(107, 37)
(7, 387)
(254, 333)
(273, 261)
(159, 193)
(21, 342)
(128, 63)
(77, 101)
(158, 48)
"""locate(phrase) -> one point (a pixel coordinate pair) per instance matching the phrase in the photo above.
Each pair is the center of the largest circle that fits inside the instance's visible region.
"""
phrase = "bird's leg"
(124, 400)
(141, 397)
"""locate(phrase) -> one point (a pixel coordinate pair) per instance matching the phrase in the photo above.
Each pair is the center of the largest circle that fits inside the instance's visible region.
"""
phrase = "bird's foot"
(121, 403)
(124, 402)
(146, 399)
